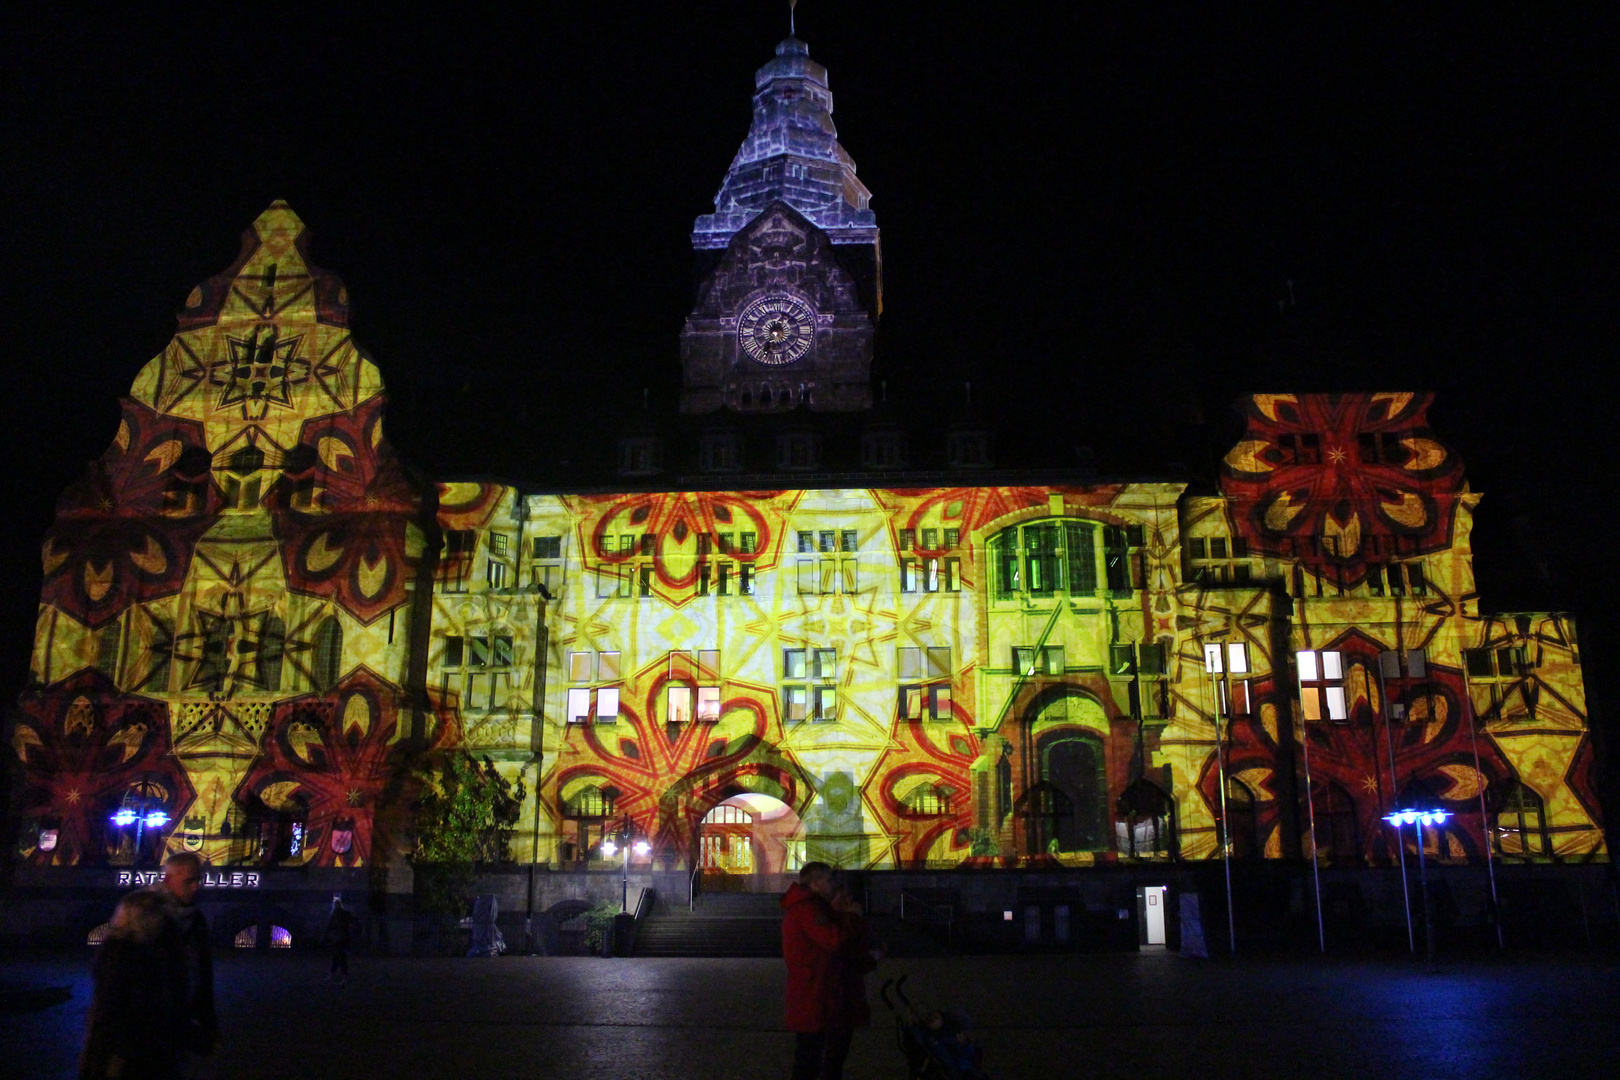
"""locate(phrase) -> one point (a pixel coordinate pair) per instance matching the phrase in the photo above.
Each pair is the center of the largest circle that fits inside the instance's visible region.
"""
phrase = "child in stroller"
(937, 1045)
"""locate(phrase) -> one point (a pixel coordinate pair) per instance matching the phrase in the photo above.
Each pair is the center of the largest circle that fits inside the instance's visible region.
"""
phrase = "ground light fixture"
(1419, 819)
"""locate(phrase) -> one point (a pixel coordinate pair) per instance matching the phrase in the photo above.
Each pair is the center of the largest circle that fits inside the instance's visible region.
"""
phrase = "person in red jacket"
(824, 942)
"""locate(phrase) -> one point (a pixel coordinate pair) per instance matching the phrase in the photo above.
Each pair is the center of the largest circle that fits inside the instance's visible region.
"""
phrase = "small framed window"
(678, 704)
(909, 663)
(497, 543)
(548, 547)
(579, 705)
(607, 666)
(848, 540)
(581, 666)
(793, 664)
(953, 538)
(607, 705)
(452, 652)
(708, 704)
(807, 542)
(908, 539)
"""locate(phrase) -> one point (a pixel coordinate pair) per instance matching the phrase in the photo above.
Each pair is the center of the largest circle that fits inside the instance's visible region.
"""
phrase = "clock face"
(776, 329)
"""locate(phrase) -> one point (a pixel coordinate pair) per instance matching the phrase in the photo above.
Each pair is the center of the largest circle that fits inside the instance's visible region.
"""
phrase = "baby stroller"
(938, 1045)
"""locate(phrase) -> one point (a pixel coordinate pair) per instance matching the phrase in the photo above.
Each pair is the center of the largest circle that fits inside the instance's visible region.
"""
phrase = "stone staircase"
(720, 924)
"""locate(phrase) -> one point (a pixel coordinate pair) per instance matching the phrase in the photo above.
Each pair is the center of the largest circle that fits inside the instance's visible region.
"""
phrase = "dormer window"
(798, 450)
(967, 449)
(883, 449)
(640, 455)
(720, 452)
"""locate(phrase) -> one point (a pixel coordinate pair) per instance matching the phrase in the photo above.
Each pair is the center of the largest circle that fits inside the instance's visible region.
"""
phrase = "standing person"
(822, 931)
(132, 1031)
(191, 950)
(338, 929)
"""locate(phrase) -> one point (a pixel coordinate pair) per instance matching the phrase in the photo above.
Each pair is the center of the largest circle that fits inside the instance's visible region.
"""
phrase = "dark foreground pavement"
(1142, 1016)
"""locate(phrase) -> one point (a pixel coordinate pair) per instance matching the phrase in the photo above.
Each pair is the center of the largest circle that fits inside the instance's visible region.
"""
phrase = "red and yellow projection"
(251, 621)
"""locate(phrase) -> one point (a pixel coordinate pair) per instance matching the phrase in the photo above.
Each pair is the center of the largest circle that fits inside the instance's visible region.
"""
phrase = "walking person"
(824, 943)
(338, 930)
(192, 952)
(133, 1030)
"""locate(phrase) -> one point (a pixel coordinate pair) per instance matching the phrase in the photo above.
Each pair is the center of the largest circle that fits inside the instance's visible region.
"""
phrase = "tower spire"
(793, 27)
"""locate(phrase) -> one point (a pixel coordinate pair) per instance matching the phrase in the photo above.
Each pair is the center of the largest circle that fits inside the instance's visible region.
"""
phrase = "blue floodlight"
(609, 848)
(156, 819)
(1413, 817)
(642, 847)
(124, 816)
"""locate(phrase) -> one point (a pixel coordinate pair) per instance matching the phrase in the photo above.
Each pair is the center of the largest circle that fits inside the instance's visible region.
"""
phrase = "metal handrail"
(942, 912)
(691, 888)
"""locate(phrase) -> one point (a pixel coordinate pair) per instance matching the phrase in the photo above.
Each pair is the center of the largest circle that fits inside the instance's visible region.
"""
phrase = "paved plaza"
(1138, 1016)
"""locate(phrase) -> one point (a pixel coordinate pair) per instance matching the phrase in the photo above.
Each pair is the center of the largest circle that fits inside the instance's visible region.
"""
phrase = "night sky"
(1111, 221)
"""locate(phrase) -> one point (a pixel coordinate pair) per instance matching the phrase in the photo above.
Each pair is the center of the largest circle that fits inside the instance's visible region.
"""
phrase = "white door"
(1154, 895)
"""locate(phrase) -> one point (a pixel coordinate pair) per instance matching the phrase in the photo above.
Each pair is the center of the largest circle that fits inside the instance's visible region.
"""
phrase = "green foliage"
(597, 921)
(984, 843)
(464, 817)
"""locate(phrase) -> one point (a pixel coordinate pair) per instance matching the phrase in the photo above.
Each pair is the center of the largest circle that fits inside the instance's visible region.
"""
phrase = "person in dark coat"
(188, 940)
(339, 929)
(824, 943)
(132, 1032)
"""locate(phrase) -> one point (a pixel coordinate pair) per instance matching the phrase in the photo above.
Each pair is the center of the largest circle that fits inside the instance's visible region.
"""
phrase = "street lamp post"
(144, 814)
(1418, 819)
(627, 831)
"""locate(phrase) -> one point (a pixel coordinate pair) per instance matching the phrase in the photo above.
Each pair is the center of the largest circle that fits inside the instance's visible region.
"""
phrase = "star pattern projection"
(1342, 480)
(261, 371)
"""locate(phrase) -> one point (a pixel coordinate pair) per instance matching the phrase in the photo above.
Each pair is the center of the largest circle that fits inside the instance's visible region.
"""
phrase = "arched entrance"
(749, 842)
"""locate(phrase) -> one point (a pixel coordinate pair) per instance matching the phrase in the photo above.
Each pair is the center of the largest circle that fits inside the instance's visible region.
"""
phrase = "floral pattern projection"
(1354, 507)
(222, 629)
(878, 580)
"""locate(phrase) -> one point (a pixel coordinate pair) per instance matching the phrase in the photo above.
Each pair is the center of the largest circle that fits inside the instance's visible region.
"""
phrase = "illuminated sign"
(236, 879)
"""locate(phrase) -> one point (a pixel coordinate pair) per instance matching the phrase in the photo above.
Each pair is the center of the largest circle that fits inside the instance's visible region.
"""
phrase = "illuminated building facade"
(253, 620)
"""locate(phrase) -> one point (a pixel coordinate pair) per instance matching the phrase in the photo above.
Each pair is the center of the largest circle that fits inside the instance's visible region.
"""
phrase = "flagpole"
(1394, 793)
(1484, 818)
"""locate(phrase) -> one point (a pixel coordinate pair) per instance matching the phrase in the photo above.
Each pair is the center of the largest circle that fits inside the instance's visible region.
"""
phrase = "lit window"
(579, 705)
(1321, 685)
(679, 700)
(708, 703)
(607, 705)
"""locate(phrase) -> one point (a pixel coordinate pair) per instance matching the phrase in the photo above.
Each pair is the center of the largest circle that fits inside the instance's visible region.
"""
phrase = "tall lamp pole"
(1214, 666)
(1420, 818)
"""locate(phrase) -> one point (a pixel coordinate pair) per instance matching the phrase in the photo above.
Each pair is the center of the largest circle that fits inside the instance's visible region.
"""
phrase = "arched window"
(215, 647)
(271, 642)
(1337, 838)
(107, 647)
(589, 802)
(1521, 826)
(926, 800)
(1240, 832)
(1142, 830)
(1067, 808)
(327, 660)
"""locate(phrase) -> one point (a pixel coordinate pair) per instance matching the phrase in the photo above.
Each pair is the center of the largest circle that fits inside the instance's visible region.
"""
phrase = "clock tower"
(789, 270)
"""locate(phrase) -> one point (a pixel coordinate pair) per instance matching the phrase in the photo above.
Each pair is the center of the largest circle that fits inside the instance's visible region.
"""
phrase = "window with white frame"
(809, 684)
(693, 689)
(1228, 664)
(478, 667)
(1321, 685)
(925, 682)
(589, 702)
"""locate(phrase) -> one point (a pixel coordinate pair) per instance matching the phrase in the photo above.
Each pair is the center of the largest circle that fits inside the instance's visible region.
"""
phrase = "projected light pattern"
(251, 620)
